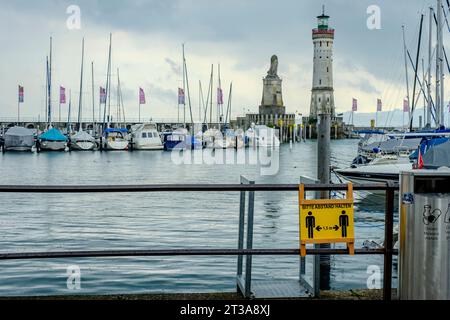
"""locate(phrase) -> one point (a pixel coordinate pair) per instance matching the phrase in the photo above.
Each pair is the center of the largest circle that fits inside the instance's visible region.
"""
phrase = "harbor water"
(59, 222)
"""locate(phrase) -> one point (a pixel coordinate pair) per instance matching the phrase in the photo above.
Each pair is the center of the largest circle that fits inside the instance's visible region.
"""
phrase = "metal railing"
(246, 186)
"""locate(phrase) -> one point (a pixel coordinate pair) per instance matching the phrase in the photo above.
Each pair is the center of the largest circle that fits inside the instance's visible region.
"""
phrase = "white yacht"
(146, 137)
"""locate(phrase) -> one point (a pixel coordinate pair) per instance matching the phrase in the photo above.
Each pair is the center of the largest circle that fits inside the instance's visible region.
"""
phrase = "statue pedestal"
(272, 101)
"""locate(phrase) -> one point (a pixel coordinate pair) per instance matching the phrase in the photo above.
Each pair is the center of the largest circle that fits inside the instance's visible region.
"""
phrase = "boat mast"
(120, 99)
(50, 86)
(46, 91)
(430, 35)
(205, 118)
(80, 99)
(184, 88)
(228, 116)
(439, 66)
(200, 94)
(219, 105)
(93, 98)
(406, 71)
(68, 113)
(108, 84)
(211, 97)
(415, 75)
(188, 92)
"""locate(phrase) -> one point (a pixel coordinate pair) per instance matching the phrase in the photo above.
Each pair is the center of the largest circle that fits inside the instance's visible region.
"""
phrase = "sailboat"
(81, 140)
(52, 139)
(382, 169)
(113, 138)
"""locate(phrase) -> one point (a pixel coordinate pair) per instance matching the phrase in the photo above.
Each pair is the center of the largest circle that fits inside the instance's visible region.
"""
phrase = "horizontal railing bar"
(185, 188)
(181, 252)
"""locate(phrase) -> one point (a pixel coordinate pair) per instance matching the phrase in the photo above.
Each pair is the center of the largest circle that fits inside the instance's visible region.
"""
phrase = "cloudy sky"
(241, 35)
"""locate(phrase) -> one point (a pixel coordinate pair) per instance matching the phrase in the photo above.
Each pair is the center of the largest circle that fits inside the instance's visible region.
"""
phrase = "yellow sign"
(326, 220)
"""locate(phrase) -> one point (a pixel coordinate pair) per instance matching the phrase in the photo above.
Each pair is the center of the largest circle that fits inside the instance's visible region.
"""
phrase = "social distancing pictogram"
(326, 220)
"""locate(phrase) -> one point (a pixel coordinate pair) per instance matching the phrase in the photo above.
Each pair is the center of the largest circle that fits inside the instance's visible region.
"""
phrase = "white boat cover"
(19, 137)
(82, 136)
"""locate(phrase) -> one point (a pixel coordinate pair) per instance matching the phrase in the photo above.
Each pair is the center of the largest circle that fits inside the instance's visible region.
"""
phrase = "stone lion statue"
(273, 67)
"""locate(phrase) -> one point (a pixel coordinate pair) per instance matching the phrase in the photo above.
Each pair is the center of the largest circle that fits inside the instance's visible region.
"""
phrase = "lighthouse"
(322, 98)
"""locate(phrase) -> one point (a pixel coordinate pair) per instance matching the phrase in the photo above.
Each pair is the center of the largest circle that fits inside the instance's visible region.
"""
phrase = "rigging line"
(420, 84)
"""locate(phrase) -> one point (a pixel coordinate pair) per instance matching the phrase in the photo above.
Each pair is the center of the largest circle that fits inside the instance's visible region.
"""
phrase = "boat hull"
(117, 145)
(149, 147)
(53, 145)
(18, 148)
(83, 145)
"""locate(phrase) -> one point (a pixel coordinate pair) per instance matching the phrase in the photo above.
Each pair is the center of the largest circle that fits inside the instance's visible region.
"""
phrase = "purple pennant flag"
(355, 105)
(21, 94)
(141, 96)
(62, 95)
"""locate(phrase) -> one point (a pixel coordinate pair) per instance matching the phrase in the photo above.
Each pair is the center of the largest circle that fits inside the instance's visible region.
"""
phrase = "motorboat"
(146, 137)
(175, 139)
(19, 139)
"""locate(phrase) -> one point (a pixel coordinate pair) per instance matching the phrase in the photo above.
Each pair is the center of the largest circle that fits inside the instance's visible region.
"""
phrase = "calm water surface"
(39, 222)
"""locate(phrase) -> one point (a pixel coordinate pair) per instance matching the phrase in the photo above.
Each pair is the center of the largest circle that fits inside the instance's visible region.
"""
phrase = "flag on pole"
(141, 96)
(62, 95)
(379, 105)
(219, 96)
(419, 164)
(355, 105)
(21, 94)
(102, 95)
(405, 105)
(181, 98)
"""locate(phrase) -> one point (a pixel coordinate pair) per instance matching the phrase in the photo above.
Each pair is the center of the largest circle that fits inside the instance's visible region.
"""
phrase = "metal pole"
(241, 235)
(388, 242)
(248, 263)
(323, 175)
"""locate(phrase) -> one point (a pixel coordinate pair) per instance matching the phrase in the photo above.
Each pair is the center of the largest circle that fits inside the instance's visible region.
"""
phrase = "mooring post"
(323, 175)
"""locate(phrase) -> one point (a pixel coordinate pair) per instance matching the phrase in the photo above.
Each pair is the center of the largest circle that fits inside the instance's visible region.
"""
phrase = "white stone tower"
(322, 97)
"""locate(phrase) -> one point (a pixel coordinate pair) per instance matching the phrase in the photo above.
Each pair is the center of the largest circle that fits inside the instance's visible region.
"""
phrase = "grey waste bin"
(424, 271)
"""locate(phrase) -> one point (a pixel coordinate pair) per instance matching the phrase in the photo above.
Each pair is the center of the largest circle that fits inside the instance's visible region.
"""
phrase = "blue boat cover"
(427, 145)
(53, 134)
(109, 130)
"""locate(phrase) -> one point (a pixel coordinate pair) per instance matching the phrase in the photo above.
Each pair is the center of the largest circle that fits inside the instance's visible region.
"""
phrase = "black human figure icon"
(343, 223)
(310, 224)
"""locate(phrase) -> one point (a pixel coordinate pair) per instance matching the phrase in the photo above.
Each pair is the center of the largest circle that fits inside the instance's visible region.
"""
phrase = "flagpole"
(18, 108)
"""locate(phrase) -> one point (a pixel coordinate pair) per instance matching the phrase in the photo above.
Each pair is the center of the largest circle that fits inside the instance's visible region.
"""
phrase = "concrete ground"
(324, 295)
